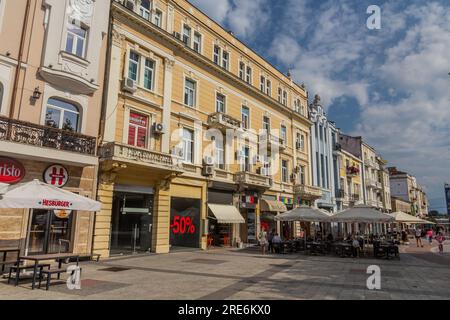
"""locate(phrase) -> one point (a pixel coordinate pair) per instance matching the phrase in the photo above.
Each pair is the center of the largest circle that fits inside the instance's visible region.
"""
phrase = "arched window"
(62, 115)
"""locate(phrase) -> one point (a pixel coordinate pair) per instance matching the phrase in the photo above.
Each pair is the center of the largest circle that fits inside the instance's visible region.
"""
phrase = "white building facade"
(325, 162)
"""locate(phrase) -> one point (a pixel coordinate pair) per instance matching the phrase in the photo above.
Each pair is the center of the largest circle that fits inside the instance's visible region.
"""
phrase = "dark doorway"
(131, 223)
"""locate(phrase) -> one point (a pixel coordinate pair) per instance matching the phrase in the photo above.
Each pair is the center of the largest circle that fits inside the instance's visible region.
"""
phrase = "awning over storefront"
(272, 206)
(226, 213)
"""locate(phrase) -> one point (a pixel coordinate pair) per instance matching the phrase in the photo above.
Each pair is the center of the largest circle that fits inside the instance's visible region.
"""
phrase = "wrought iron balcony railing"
(45, 136)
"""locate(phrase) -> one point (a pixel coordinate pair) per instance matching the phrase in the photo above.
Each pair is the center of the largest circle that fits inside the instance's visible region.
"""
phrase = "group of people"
(419, 233)
(270, 242)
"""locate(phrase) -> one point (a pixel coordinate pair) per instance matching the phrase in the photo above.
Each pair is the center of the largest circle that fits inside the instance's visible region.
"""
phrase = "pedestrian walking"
(440, 239)
(430, 236)
(418, 234)
(269, 239)
(263, 241)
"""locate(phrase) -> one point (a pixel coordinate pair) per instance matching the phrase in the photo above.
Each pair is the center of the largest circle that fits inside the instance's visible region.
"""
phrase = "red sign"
(182, 225)
(55, 203)
(11, 171)
(56, 175)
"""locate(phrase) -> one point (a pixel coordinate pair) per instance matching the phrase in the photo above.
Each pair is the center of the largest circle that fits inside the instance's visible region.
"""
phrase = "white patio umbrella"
(38, 195)
(362, 214)
(303, 213)
(3, 188)
(402, 217)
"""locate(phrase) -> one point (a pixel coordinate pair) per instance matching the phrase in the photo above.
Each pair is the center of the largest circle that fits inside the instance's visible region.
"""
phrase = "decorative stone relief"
(81, 10)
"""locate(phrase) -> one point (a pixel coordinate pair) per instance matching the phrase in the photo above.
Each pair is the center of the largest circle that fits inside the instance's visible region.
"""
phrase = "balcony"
(372, 183)
(223, 121)
(250, 180)
(308, 192)
(149, 158)
(46, 137)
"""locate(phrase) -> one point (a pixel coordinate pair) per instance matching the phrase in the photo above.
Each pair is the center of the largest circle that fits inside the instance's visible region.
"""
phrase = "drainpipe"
(19, 60)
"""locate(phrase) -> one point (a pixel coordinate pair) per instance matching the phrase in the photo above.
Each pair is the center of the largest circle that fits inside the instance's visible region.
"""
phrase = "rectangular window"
(144, 9)
(284, 171)
(188, 145)
(217, 55)
(269, 88)
(187, 35)
(133, 66)
(189, 92)
(149, 74)
(220, 154)
(285, 98)
(242, 70)
(262, 85)
(157, 18)
(322, 168)
(245, 112)
(280, 95)
(266, 124)
(76, 38)
(302, 175)
(245, 159)
(220, 103)
(248, 76)
(137, 130)
(198, 42)
(225, 59)
(283, 134)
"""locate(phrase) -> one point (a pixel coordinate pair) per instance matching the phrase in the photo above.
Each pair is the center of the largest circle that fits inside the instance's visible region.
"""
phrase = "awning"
(272, 206)
(226, 213)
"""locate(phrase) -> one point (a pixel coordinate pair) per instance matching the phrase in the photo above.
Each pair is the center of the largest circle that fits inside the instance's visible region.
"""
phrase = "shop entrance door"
(49, 233)
(131, 223)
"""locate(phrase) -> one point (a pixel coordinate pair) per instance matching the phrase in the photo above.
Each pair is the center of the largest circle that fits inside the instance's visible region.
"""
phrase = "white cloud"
(217, 10)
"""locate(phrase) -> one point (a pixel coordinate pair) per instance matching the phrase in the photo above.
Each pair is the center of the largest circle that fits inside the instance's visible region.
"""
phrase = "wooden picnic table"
(5, 251)
(59, 257)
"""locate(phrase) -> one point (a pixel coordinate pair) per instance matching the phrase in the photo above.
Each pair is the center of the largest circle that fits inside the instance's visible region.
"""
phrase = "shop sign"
(11, 171)
(185, 222)
(62, 214)
(55, 203)
(56, 175)
(249, 201)
(286, 200)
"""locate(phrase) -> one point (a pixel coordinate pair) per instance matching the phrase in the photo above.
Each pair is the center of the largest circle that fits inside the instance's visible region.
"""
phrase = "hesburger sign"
(11, 171)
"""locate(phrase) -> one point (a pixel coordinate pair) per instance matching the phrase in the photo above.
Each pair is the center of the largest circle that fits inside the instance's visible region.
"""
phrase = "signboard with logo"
(249, 201)
(11, 171)
(62, 214)
(56, 175)
(447, 196)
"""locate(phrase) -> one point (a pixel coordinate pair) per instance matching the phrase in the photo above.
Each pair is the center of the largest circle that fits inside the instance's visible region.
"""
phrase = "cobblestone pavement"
(245, 274)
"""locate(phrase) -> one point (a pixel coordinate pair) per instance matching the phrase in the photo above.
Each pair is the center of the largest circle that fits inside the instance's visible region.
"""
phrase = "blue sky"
(390, 86)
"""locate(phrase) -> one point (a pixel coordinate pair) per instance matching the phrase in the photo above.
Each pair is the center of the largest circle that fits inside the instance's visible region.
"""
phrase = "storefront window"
(49, 233)
(185, 222)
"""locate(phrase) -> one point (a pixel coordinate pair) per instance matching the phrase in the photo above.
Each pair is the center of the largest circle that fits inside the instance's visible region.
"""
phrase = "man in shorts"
(418, 235)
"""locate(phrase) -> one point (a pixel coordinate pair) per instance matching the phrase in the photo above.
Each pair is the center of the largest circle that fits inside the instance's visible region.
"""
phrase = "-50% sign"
(182, 225)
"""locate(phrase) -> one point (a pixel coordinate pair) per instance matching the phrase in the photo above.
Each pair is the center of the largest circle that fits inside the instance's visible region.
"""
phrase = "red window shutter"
(131, 135)
(141, 137)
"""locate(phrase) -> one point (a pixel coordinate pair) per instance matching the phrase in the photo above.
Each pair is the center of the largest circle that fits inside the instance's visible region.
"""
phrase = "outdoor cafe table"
(43, 257)
(5, 251)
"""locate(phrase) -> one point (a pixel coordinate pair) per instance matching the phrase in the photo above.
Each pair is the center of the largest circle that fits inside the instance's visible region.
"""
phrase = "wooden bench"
(17, 268)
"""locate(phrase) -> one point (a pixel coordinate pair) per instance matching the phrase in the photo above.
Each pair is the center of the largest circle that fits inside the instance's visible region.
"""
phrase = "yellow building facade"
(350, 175)
(183, 160)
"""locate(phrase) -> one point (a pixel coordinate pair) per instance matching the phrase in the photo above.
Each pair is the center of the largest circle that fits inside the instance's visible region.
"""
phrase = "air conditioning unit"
(208, 170)
(129, 4)
(177, 35)
(265, 172)
(129, 85)
(159, 128)
(208, 160)
(256, 159)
